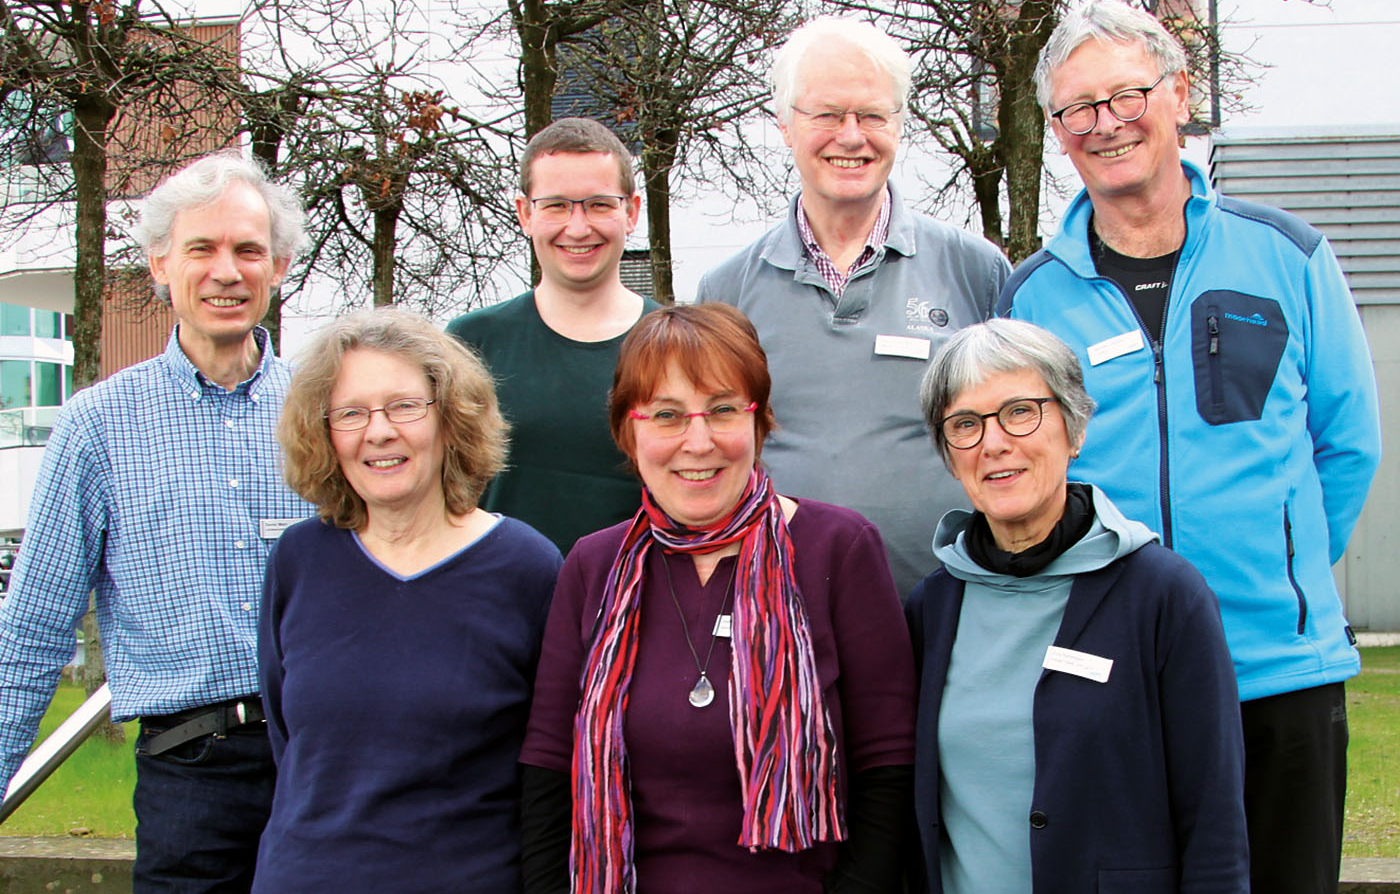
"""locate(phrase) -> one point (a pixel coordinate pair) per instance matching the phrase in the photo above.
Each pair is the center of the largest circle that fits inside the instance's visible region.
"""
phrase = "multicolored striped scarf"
(783, 741)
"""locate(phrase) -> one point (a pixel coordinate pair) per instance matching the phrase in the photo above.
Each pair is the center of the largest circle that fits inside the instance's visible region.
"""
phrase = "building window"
(49, 384)
(47, 324)
(14, 320)
(14, 384)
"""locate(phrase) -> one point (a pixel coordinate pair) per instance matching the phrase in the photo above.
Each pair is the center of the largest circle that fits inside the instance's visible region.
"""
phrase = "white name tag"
(1116, 346)
(272, 528)
(902, 346)
(1080, 664)
(723, 625)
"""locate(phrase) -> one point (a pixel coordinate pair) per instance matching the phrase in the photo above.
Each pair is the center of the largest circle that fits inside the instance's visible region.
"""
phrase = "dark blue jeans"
(200, 809)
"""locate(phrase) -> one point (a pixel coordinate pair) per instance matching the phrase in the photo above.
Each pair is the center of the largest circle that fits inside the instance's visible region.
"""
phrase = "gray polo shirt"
(846, 372)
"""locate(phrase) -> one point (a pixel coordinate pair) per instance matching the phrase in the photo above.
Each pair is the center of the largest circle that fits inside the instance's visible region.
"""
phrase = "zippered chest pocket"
(1237, 341)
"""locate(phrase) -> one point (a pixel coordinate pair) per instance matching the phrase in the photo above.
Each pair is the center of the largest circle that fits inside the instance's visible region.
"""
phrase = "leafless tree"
(685, 82)
(143, 92)
(405, 189)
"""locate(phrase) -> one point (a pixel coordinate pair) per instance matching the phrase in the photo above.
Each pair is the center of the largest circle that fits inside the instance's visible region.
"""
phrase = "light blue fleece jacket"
(1248, 437)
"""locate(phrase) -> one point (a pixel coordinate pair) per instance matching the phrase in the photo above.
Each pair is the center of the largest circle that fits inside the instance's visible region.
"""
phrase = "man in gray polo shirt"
(852, 292)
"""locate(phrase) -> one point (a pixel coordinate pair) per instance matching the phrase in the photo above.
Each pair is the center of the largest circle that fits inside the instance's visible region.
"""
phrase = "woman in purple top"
(725, 695)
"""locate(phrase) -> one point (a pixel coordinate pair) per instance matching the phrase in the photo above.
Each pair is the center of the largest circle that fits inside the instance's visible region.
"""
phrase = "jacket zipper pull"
(1157, 363)
(1213, 323)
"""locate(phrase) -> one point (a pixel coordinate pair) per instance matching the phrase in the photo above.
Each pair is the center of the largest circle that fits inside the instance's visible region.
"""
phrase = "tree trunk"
(91, 116)
(386, 221)
(1022, 122)
(534, 22)
(95, 671)
(658, 157)
(986, 170)
(267, 136)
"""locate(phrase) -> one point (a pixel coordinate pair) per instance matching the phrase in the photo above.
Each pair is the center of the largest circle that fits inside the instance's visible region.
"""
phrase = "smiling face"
(392, 466)
(580, 254)
(1121, 159)
(848, 166)
(1018, 483)
(698, 476)
(220, 269)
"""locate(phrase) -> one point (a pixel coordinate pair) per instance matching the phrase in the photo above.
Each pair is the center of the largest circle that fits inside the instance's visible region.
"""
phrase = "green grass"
(92, 790)
(1373, 769)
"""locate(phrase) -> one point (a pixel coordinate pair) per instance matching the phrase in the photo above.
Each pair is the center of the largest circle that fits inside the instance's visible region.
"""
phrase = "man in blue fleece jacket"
(1237, 406)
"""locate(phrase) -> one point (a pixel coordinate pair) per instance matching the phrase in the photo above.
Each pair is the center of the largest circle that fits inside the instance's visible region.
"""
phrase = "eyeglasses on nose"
(406, 409)
(721, 418)
(1127, 105)
(1018, 418)
(557, 209)
(868, 120)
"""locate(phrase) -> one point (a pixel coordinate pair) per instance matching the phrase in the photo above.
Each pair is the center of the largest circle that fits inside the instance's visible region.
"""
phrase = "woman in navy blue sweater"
(400, 630)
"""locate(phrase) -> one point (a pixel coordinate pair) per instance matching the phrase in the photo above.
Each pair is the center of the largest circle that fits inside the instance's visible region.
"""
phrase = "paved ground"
(103, 866)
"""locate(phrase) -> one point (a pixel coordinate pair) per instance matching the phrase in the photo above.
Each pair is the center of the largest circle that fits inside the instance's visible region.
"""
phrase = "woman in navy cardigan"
(1078, 726)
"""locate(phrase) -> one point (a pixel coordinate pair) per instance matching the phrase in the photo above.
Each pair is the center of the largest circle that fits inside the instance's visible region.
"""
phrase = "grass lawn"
(92, 790)
(1373, 757)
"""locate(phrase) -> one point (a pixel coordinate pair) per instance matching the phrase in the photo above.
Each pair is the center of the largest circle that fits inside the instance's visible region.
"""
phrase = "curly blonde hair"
(473, 432)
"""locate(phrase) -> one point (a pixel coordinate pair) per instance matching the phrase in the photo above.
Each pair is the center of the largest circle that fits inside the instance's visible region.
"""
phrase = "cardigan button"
(1039, 820)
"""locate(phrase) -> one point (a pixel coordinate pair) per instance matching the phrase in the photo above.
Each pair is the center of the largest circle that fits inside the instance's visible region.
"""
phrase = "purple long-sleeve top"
(685, 786)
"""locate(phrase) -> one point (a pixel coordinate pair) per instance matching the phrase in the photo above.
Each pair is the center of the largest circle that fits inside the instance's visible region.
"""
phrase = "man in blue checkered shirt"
(160, 491)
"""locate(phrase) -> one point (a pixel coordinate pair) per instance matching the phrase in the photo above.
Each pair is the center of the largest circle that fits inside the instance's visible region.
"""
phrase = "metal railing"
(54, 750)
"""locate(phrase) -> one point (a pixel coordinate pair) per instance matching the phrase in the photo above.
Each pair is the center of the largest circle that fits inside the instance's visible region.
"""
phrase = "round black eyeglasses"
(1018, 418)
(1127, 105)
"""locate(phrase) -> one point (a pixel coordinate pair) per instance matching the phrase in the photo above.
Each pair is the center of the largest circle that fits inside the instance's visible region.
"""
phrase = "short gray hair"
(823, 31)
(1106, 20)
(1004, 346)
(203, 183)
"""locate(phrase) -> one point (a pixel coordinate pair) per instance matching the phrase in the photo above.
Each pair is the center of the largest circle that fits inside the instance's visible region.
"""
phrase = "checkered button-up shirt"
(153, 491)
(835, 276)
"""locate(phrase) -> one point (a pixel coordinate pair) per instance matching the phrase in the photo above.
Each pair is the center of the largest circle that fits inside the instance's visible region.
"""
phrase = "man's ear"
(158, 272)
(279, 270)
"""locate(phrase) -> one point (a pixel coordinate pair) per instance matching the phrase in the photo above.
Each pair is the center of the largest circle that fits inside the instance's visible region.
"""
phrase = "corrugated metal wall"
(1348, 186)
(133, 328)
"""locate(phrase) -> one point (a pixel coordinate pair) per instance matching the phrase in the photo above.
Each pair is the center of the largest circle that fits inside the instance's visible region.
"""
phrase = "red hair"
(714, 345)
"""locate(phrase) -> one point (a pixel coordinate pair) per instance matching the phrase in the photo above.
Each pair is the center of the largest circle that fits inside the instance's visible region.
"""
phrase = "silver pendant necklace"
(703, 692)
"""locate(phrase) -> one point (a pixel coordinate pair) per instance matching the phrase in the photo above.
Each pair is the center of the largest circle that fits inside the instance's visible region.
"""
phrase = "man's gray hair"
(1106, 20)
(202, 183)
(821, 33)
(977, 352)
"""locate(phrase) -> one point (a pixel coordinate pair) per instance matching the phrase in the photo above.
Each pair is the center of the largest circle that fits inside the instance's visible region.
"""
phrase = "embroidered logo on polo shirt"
(918, 314)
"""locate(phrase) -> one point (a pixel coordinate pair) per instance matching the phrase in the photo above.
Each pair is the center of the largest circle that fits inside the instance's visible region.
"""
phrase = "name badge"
(902, 346)
(724, 625)
(272, 528)
(1116, 346)
(1080, 664)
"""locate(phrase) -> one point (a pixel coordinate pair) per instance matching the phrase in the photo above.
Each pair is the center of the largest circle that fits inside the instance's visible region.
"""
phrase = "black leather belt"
(217, 720)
